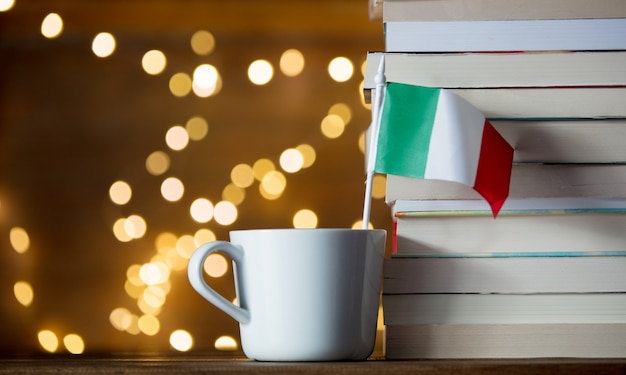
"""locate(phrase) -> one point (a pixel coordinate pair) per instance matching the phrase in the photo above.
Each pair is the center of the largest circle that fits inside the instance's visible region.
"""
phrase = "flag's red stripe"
(494, 168)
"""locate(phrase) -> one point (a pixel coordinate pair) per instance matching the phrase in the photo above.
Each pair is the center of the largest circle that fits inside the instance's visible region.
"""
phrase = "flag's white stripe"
(371, 135)
(455, 141)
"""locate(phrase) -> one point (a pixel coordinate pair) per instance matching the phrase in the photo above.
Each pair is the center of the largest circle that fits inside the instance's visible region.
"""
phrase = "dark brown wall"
(72, 123)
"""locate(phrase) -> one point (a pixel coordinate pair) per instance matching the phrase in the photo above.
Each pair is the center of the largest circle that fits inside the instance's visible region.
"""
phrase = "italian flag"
(433, 133)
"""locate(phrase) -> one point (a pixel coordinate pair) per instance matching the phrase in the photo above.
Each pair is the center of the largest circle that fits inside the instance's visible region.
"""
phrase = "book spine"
(500, 70)
(562, 232)
(574, 308)
(509, 35)
(526, 275)
(480, 10)
(539, 104)
(505, 341)
(585, 181)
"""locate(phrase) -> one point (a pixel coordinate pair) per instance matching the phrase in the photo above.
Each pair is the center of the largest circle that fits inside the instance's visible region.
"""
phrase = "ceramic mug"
(303, 294)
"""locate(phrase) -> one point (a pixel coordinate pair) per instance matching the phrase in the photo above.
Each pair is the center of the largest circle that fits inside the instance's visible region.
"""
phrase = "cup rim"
(309, 230)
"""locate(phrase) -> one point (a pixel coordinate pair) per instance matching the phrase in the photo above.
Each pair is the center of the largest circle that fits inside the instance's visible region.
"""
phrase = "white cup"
(304, 294)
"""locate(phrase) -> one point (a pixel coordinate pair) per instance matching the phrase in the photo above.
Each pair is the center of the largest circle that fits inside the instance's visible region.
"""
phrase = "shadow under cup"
(304, 294)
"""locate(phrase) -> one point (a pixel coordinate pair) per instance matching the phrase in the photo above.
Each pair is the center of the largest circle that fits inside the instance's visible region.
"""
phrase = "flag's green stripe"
(407, 119)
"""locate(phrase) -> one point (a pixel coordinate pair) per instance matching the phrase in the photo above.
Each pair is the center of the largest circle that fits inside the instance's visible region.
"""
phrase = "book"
(565, 141)
(574, 308)
(508, 275)
(439, 341)
(599, 34)
(545, 278)
(498, 70)
(524, 227)
(548, 85)
(527, 180)
(545, 103)
(512, 207)
(480, 10)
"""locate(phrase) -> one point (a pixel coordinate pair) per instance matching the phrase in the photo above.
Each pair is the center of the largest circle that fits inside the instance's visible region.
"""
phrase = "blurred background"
(132, 131)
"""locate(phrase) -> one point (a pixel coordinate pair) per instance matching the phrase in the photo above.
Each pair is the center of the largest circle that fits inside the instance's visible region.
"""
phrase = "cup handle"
(195, 273)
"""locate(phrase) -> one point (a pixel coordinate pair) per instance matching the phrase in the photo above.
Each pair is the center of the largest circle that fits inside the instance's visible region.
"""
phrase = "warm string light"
(271, 180)
(52, 26)
(103, 44)
(25, 295)
(149, 283)
(6, 5)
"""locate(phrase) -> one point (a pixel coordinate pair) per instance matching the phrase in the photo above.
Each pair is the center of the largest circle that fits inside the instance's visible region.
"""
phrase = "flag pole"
(380, 81)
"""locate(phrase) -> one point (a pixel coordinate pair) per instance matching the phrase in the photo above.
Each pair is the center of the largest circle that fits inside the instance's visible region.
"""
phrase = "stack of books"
(547, 277)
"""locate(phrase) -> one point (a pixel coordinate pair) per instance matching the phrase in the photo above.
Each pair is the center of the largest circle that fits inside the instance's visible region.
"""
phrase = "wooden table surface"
(172, 365)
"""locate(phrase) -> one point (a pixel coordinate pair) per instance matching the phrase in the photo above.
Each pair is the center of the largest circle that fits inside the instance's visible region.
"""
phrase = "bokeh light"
(242, 175)
(20, 241)
(165, 241)
(103, 44)
(205, 76)
(172, 189)
(120, 192)
(308, 155)
(359, 225)
(363, 67)
(52, 26)
(154, 296)
(201, 210)
(365, 104)
(260, 72)
(340, 69)
(262, 167)
(180, 84)
(150, 303)
(177, 138)
(291, 160)
(203, 236)
(149, 324)
(291, 62)
(361, 142)
(215, 265)
(332, 126)
(6, 5)
(135, 226)
(154, 273)
(154, 62)
(48, 340)
(305, 218)
(225, 213)
(342, 110)
(119, 230)
(24, 293)
(133, 327)
(74, 343)
(181, 340)
(132, 290)
(197, 128)
(120, 318)
(225, 343)
(202, 42)
(186, 245)
(233, 194)
(206, 80)
(379, 186)
(157, 163)
(273, 183)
